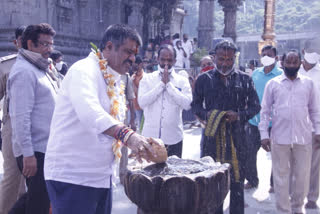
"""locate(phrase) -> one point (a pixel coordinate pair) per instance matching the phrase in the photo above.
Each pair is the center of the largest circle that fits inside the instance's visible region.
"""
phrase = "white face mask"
(228, 72)
(267, 60)
(59, 65)
(311, 58)
(162, 70)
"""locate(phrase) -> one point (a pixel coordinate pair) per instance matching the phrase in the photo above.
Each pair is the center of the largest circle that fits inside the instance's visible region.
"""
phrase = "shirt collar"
(284, 77)
(109, 69)
(273, 71)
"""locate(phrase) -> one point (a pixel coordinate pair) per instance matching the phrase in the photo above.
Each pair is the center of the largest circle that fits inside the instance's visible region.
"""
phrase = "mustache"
(128, 61)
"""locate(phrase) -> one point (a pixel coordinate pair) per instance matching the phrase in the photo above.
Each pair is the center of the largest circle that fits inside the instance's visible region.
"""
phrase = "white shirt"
(294, 106)
(180, 57)
(314, 74)
(188, 48)
(163, 104)
(77, 151)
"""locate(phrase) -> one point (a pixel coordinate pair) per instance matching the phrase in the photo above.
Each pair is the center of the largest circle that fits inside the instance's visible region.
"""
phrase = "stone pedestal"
(206, 25)
(178, 186)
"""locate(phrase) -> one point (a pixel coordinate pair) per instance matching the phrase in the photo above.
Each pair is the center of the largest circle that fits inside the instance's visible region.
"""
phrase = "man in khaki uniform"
(12, 184)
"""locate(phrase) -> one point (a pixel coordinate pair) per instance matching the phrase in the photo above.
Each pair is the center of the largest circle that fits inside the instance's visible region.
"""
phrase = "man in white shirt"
(87, 119)
(181, 54)
(163, 95)
(310, 67)
(292, 101)
(188, 47)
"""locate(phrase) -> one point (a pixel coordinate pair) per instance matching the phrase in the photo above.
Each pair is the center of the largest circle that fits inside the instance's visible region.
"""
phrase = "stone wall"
(77, 22)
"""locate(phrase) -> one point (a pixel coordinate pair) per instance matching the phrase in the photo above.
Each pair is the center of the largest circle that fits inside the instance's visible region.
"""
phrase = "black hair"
(32, 32)
(117, 34)
(212, 52)
(225, 45)
(55, 54)
(254, 62)
(270, 47)
(291, 51)
(167, 47)
(176, 36)
(19, 30)
(138, 59)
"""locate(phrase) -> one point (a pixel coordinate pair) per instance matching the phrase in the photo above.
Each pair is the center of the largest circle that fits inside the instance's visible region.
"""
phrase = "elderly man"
(87, 128)
(12, 184)
(310, 67)
(225, 99)
(163, 95)
(292, 101)
(31, 90)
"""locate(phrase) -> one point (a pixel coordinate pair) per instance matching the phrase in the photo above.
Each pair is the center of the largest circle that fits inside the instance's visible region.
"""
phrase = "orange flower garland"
(117, 108)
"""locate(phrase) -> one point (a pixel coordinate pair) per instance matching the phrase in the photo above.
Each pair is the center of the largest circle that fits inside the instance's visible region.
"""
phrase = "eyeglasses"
(46, 44)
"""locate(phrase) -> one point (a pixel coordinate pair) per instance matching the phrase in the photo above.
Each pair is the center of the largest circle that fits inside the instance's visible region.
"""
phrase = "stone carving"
(178, 186)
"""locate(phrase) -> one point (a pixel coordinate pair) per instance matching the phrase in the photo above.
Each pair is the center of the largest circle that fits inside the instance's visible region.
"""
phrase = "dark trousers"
(236, 188)
(69, 198)
(175, 149)
(236, 199)
(35, 200)
(253, 146)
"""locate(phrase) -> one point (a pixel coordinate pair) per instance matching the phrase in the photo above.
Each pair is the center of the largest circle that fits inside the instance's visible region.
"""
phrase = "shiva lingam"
(178, 186)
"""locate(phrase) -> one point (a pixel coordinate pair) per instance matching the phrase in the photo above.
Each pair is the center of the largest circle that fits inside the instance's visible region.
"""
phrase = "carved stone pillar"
(206, 25)
(268, 35)
(230, 8)
(136, 19)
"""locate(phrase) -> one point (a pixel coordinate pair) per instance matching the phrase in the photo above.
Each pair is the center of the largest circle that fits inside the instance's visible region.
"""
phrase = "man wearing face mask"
(225, 99)
(292, 101)
(206, 64)
(59, 64)
(163, 95)
(311, 68)
(260, 77)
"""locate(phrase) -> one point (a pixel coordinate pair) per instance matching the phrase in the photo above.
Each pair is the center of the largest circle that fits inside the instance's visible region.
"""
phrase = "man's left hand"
(231, 116)
(316, 142)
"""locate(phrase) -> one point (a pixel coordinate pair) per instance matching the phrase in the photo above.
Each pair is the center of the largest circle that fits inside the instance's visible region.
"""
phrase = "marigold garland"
(114, 94)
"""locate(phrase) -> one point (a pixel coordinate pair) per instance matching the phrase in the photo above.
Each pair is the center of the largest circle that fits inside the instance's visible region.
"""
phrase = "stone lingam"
(178, 186)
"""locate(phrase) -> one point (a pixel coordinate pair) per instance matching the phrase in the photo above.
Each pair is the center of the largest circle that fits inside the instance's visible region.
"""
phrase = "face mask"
(228, 72)
(291, 72)
(59, 65)
(162, 69)
(311, 58)
(208, 68)
(267, 60)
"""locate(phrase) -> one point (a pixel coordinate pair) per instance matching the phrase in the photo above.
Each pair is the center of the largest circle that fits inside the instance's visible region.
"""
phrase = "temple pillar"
(135, 19)
(268, 35)
(206, 25)
(230, 8)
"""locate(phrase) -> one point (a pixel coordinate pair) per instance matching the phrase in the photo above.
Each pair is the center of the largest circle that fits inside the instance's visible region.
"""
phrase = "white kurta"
(77, 151)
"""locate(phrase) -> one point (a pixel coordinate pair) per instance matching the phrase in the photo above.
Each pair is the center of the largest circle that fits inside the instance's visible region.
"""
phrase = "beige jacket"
(6, 63)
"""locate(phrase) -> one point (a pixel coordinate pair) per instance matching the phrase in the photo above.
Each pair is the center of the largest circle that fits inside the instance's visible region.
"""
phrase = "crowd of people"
(63, 129)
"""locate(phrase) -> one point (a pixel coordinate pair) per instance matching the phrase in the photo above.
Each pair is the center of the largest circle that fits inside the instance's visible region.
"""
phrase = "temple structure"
(79, 22)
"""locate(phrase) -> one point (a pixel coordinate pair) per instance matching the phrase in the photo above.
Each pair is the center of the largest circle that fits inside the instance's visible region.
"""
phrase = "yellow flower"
(107, 76)
(112, 82)
(111, 93)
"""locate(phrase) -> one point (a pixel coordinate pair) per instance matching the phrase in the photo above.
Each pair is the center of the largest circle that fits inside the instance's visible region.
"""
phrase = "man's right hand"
(140, 147)
(29, 166)
(266, 144)
(165, 75)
